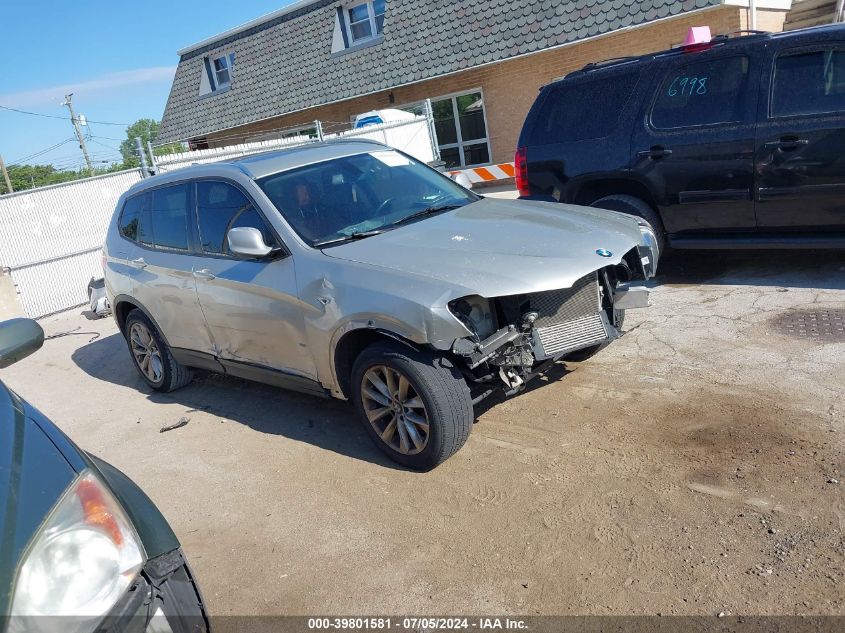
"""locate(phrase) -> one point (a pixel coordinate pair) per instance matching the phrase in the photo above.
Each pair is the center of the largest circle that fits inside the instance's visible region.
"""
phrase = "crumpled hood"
(496, 247)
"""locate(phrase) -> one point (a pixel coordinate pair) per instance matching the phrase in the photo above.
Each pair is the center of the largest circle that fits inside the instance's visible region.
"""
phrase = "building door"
(461, 128)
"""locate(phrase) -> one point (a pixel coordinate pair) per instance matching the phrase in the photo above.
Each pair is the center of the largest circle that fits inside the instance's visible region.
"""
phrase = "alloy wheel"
(146, 352)
(395, 409)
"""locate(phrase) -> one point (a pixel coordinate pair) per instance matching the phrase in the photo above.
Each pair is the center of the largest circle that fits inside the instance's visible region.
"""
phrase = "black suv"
(737, 143)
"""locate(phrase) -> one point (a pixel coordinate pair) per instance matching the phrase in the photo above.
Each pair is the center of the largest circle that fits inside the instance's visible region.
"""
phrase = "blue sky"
(117, 57)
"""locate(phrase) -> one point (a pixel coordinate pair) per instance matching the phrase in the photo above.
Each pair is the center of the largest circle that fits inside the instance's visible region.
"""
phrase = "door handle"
(787, 143)
(204, 273)
(655, 152)
(139, 263)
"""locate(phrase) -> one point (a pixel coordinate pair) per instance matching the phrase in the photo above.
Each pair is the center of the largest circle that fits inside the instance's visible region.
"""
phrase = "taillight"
(520, 165)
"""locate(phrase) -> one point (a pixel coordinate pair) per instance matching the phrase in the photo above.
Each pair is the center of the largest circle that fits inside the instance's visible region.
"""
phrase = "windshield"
(361, 195)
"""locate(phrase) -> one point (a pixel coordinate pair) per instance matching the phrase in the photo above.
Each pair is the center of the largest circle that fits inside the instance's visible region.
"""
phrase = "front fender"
(152, 528)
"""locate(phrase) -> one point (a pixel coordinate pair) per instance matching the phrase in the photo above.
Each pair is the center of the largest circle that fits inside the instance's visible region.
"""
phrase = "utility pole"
(6, 176)
(69, 103)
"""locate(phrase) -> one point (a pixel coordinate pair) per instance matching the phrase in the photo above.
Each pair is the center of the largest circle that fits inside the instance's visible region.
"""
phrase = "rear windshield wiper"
(427, 211)
(358, 235)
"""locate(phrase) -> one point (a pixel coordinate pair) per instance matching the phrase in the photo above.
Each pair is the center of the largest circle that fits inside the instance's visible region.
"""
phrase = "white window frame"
(371, 16)
(228, 60)
(460, 142)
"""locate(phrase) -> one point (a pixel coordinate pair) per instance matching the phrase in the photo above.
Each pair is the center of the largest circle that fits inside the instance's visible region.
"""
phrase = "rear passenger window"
(703, 93)
(221, 207)
(169, 217)
(809, 83)
(579, 110)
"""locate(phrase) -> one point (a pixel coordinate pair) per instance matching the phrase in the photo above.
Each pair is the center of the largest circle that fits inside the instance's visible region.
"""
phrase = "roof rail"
(741, 32)
(612, 60)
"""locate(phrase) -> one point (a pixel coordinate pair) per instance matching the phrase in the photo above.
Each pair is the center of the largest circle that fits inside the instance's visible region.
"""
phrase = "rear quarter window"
(581, 109)
(130, 218)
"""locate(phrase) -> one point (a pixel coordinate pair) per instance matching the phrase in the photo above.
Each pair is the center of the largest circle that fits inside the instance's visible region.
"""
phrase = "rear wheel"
(152, 356)
(416, 406)
(635, 206)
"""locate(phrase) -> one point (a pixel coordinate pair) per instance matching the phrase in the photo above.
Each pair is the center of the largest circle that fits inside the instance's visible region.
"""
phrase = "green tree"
(25, 177)
(147, 129)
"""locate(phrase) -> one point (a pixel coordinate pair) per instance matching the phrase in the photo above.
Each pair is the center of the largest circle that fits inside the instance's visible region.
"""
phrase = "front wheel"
(416, 406)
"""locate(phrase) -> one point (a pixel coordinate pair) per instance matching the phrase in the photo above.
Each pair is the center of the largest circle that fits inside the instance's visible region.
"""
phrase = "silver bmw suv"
(353, 271)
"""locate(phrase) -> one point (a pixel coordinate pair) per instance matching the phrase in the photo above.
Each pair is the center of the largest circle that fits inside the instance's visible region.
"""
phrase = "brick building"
(481, 63)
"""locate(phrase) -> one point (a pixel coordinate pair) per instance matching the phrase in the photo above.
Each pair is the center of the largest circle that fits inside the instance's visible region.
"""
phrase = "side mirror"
(18, 339)
(248, 242)
(463, 180)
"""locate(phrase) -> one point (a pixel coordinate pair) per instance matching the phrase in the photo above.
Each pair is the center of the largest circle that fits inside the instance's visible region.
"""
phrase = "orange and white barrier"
(491, 173)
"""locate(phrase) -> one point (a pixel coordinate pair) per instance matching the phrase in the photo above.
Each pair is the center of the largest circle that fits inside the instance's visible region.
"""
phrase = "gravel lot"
(689, 468)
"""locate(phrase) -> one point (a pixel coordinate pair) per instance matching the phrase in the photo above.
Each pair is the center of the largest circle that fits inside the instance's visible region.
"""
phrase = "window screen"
(221, 207)
(703, 93)
(809, 83)
(169, 216)
(580, 110)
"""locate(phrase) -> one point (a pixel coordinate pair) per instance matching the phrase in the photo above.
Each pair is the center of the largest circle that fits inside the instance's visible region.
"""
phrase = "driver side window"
(221, 207)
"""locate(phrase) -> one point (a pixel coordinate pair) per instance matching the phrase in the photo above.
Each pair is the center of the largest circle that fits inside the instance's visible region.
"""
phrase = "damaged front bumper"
(544, 327)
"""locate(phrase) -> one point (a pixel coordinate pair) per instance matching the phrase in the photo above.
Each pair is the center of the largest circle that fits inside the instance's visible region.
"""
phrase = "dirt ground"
(695, 466)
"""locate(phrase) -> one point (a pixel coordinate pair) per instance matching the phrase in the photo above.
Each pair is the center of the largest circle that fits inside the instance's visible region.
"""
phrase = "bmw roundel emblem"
(603, 252)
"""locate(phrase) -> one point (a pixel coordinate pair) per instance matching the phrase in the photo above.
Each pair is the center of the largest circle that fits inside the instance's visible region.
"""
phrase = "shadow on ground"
(790, 269)
(328, 424)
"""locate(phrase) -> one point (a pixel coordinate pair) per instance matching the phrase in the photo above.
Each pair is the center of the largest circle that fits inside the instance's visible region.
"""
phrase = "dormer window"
(221, 71)
(216, 74)
(365, 21)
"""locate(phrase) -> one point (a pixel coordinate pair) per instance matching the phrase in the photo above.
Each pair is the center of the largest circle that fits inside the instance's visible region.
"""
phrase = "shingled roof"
(284, 63)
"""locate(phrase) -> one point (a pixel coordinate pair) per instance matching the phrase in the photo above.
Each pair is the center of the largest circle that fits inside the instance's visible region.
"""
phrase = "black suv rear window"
(581, 109)
(703, 93)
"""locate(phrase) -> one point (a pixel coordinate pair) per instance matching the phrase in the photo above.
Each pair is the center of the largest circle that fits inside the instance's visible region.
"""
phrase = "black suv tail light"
(520, 165)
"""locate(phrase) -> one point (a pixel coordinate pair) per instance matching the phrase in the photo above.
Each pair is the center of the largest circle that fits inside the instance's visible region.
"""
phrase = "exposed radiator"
(568, 319)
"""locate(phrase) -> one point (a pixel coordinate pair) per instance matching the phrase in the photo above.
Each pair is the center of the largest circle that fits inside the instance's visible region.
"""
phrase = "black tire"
(437, 383)
(171, 374)
(588, 352)
(635, 206)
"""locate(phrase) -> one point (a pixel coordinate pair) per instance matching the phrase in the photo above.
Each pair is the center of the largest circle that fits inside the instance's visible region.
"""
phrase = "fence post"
(432, 131)
(319, 127)
(145, 172)
(153, 165)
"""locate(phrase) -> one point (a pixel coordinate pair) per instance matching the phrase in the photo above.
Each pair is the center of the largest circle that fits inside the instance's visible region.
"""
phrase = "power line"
(52, 116)
(39, 153)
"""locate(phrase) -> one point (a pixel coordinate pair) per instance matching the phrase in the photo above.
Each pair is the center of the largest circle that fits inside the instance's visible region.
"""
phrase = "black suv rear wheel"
(635, 206)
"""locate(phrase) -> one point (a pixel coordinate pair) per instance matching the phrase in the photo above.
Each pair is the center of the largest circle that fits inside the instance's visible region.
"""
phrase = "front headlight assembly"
(649, 248)
(80, 563)
(476, 313)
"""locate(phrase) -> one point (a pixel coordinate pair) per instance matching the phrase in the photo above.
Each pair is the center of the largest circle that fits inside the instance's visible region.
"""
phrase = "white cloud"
(103, 85)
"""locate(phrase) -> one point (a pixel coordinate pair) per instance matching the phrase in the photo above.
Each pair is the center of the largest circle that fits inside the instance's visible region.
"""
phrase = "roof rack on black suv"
(734, 143)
